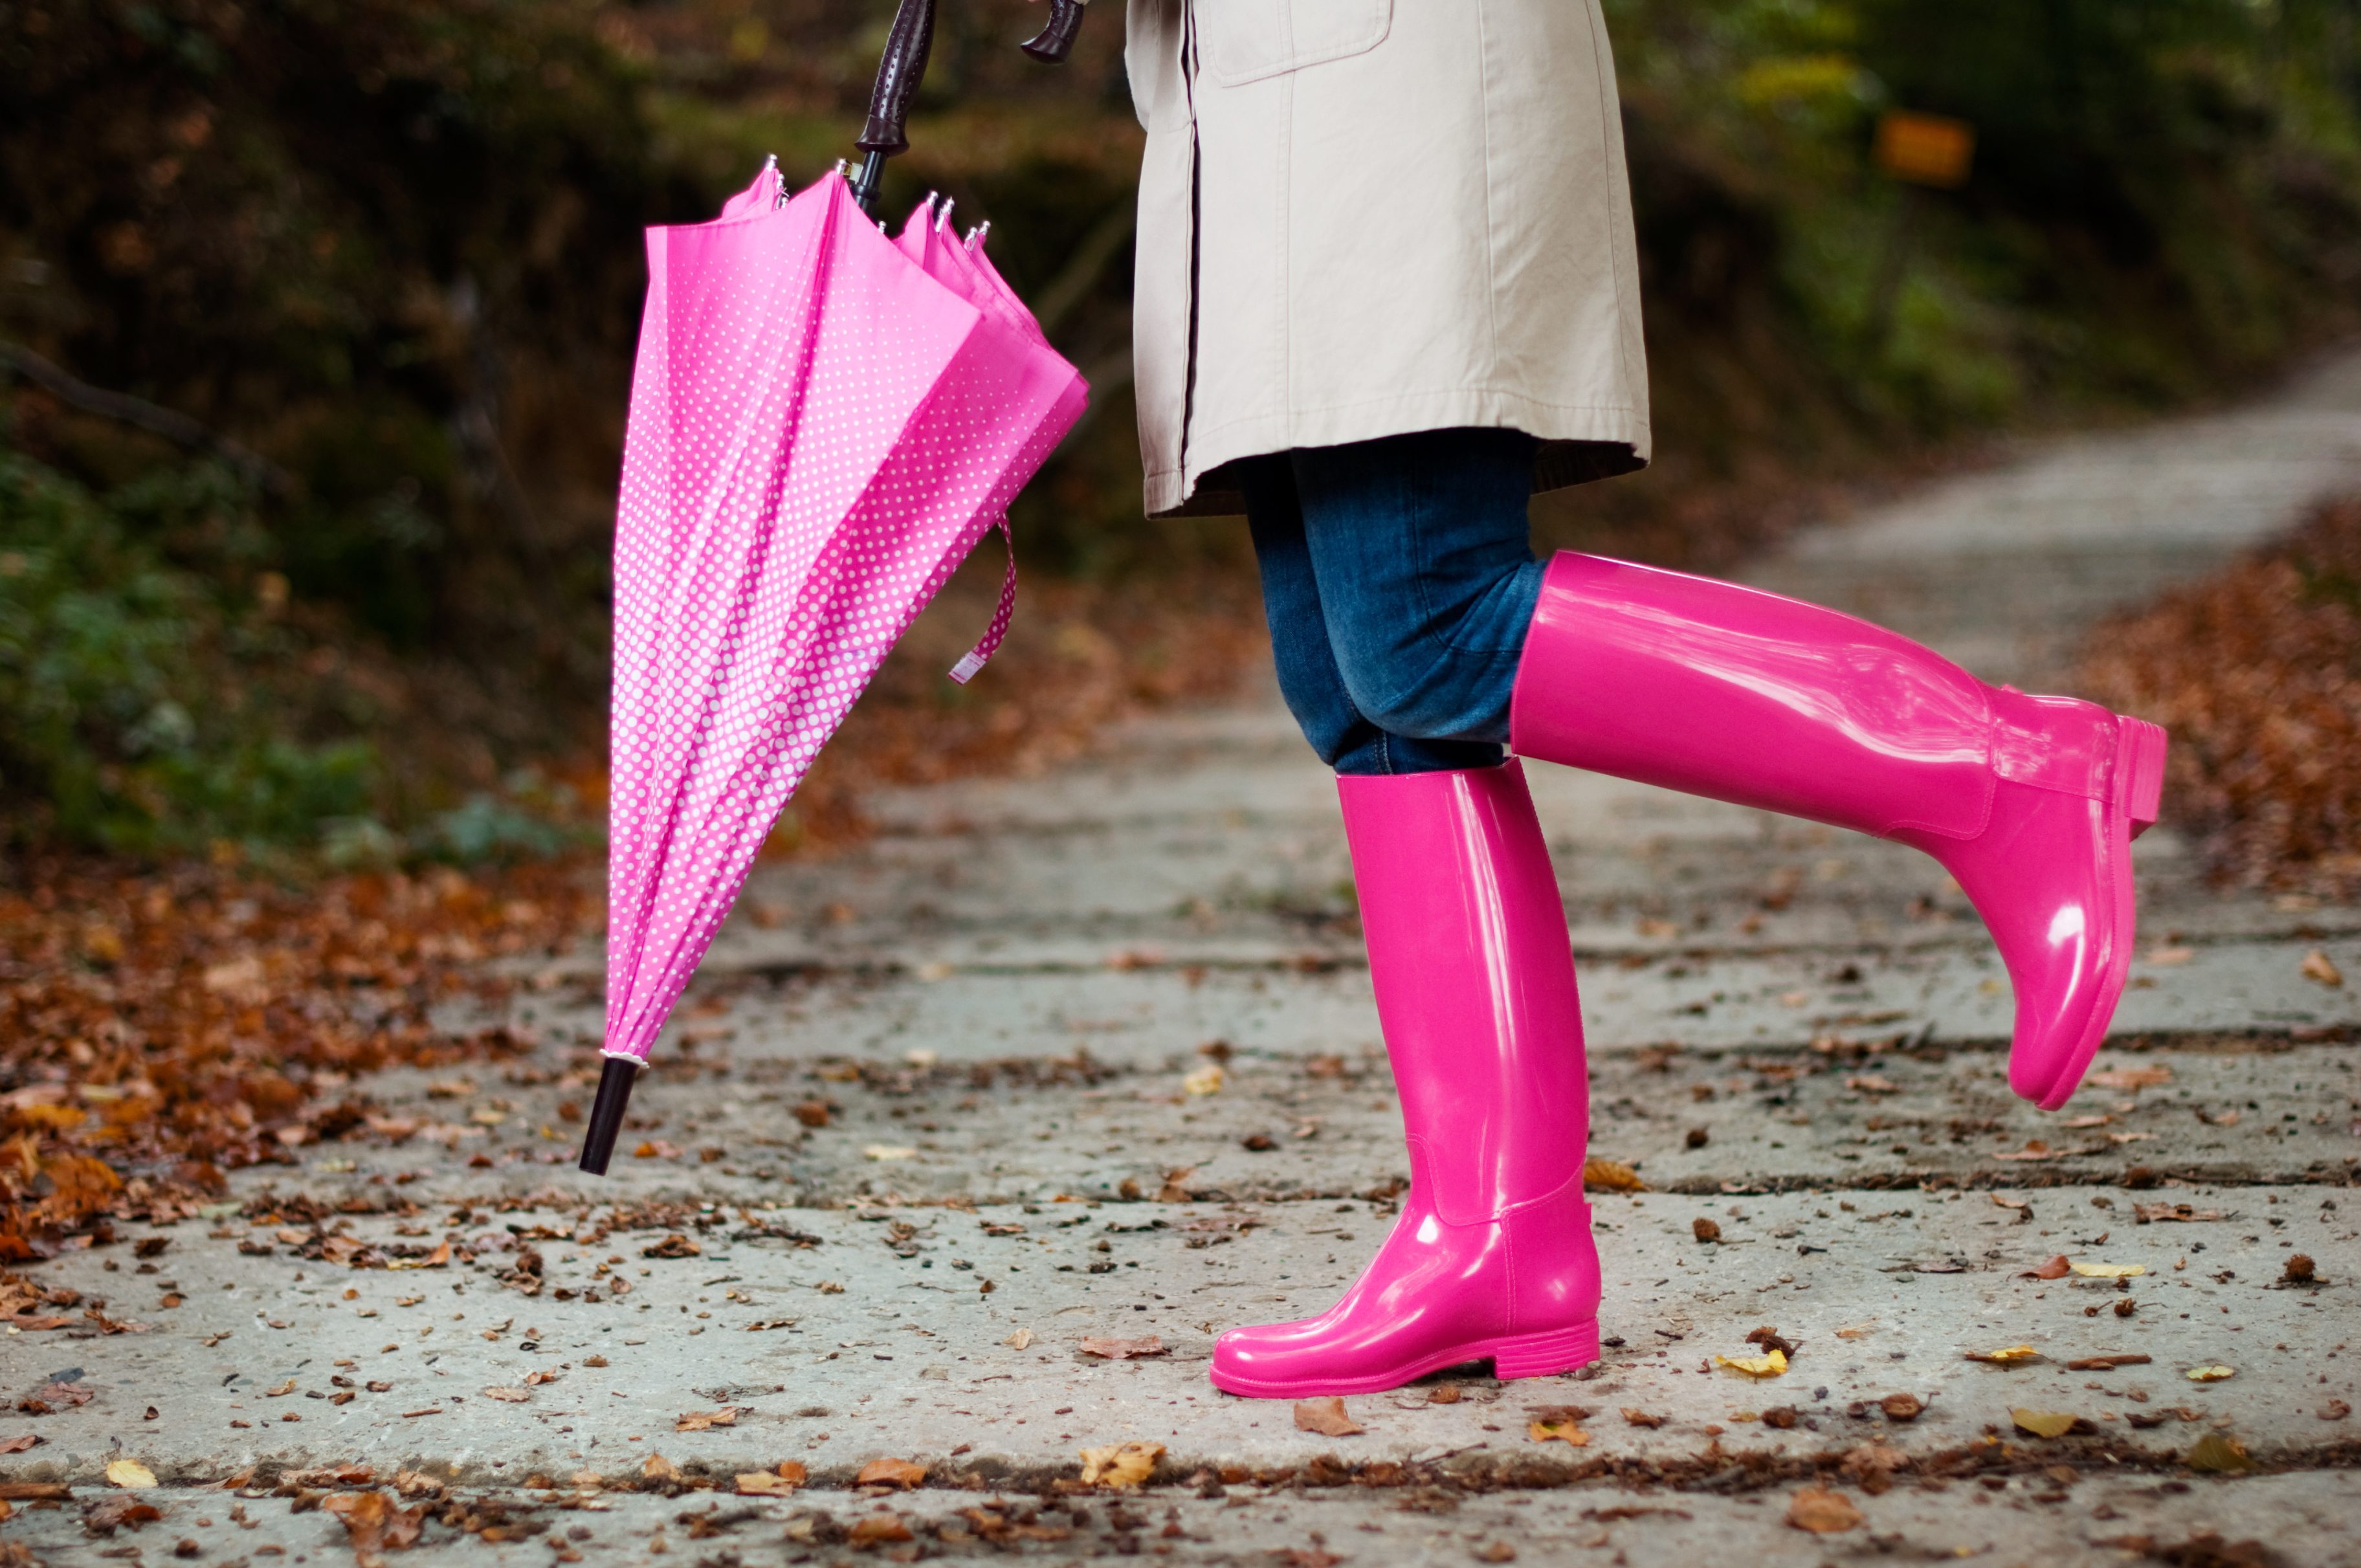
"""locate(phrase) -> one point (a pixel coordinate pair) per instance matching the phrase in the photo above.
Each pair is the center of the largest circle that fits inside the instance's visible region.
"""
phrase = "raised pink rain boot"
(1491, 1254)
(2029, 802)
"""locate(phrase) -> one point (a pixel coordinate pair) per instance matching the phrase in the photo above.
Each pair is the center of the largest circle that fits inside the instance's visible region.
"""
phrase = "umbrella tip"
(615, 1081)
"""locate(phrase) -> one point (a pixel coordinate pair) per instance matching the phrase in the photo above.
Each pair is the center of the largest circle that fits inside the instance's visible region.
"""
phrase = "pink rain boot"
(2029, 802)
(1491, 1254)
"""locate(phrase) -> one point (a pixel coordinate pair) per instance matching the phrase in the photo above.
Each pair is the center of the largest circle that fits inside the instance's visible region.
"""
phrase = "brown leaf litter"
(220, 1020)
(2257, 673)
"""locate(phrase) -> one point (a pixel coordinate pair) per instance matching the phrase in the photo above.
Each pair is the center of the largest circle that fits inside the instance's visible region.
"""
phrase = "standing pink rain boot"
(1491, 1255)
(2029, 802)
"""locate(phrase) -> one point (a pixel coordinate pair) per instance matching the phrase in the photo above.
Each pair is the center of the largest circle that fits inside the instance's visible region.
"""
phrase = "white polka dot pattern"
(823, 424)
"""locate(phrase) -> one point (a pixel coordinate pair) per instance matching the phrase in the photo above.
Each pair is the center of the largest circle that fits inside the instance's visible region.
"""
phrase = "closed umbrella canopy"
(823, 423)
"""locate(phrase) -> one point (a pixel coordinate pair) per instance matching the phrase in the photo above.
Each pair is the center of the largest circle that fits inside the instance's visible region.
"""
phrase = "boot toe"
(2053, 882)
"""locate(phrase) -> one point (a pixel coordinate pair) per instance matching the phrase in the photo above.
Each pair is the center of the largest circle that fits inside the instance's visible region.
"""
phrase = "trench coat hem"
(1580, 442)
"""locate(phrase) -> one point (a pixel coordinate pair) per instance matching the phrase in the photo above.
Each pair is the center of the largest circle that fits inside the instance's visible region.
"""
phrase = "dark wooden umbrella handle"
(900, 73)
(1056, 39)
(898, 76)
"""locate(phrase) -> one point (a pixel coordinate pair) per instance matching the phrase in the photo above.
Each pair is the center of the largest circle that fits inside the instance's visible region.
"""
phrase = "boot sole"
(1511, 1356)
(2134, 796)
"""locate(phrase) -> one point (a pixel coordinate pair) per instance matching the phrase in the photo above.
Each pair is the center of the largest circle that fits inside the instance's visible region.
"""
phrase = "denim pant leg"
(1398, 584)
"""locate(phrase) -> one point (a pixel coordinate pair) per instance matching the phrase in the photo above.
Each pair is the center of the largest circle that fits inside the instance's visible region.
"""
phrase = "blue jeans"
(1399, 581)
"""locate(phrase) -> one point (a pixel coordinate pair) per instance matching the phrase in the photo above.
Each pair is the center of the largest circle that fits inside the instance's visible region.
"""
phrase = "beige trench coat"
(1359, 218)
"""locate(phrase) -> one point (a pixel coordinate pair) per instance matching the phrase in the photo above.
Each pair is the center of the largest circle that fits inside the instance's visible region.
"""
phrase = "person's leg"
(1422, 543)
(1426, 579)
(1301, 644)
(2029, 802)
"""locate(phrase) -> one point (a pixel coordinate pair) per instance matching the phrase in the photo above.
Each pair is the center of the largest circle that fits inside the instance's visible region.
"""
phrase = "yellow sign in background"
(1924, 149)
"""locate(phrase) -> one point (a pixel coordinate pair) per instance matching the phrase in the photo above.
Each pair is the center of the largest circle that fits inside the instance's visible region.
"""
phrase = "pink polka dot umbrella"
(824, 422)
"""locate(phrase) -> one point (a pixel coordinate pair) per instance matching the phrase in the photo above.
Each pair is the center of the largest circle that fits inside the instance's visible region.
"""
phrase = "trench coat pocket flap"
(1247, 40)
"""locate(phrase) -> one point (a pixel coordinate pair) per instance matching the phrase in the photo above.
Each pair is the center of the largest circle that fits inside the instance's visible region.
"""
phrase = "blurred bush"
(392, 246)
(136, 699)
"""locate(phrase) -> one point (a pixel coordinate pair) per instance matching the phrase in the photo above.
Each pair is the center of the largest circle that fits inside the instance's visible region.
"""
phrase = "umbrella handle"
(615, 1081)
(1050, 44)
(898, 76)
(903, 68)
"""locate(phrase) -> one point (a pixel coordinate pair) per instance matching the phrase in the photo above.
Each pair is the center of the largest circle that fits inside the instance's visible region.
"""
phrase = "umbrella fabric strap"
(973, 660)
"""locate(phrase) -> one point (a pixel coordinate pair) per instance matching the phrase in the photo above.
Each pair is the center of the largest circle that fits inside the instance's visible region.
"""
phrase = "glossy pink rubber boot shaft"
(1491, 1254)
(2029, 802)
(1743, 696)
(1474, 975)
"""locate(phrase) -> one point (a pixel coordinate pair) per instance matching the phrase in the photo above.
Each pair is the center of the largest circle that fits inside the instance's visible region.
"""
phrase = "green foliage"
(2165, 195)
(133, 695)
(393, 246)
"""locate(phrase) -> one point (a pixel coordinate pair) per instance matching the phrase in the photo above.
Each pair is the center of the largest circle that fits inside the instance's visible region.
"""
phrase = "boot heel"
(1541, 1356)
(2139, 771)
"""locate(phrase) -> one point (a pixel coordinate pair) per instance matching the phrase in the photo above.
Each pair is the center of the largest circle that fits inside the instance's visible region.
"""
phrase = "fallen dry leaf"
(2043, 1423)
(1020, 1339)
(878, 1529)
(50, 1396)
(2152, 1213)
(2165, 957)
(2319, 967)
(1121, 1465)
(1325, 1417)
(2210, 1374)
(2013, 1355)
(1639, 1418)
(1206, 1079)
(2132, 1077)
(659, 1469)
(2055, 1268)
(19, 1443)
(2110, 1270)
(373, 1523)
(891, 1473)
(1902, 1406)
(1565, 1430)
(780, 1483)
(109, 1514)
(129, 1473)
(1823, 1512)
(2333, 1411)
(1769, 1364)
(2107, 1363)
(1123, 1349)
(2218, 1454)
(1610, 1176)
(703, 1420)
(509, 1396)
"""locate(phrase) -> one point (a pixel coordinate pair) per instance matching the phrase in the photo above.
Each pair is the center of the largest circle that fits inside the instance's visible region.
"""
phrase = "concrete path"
(944, 1112)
